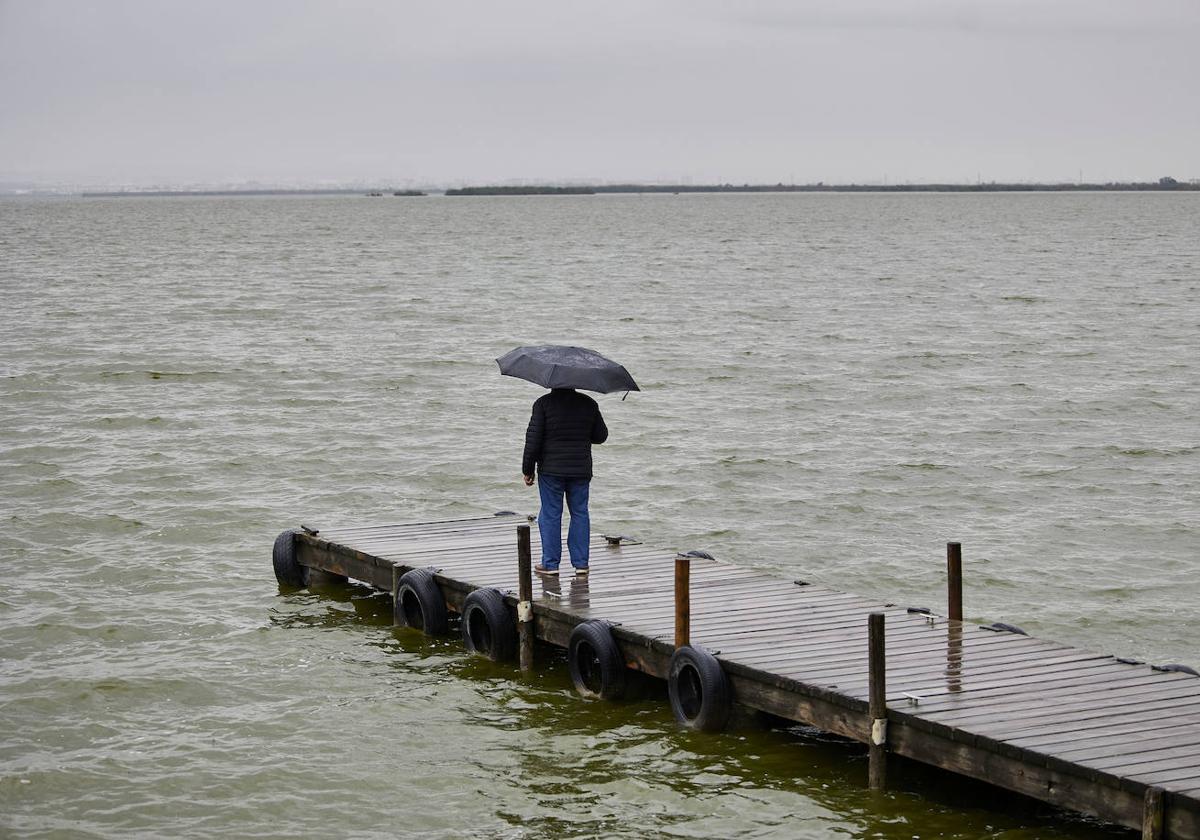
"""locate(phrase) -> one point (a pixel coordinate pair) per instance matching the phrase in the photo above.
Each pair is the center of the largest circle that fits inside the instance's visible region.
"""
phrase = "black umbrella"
(556, 366)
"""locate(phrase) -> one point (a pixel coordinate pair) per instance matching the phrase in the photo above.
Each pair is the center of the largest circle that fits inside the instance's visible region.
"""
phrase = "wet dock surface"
(1080, 729)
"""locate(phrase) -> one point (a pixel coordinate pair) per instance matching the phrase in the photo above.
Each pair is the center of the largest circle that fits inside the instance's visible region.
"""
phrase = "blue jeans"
(551, 489)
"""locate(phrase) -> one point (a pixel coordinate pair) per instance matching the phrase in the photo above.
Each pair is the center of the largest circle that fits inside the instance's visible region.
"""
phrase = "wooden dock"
(1082, 730)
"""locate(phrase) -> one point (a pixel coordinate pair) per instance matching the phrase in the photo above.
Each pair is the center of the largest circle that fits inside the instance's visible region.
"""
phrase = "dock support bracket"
(397, 573)
(321, 577)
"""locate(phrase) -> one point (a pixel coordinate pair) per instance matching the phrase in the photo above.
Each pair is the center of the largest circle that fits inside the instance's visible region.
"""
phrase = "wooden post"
(954, 580)
(683, 600)
(877, 708)
(525, 597)
(1153, 812)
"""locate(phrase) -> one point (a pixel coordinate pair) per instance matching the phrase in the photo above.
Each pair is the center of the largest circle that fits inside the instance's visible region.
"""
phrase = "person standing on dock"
(558, 441)
(558, 444)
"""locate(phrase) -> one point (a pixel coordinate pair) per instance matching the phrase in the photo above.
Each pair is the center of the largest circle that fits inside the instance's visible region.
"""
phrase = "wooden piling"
(1153, 812)
(683, 606)
(954, 580)
(525, 629)
(877, 704)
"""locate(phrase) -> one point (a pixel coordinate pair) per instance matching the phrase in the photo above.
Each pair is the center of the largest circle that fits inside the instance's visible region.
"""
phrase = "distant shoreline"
(220, 193)
(1162, 185)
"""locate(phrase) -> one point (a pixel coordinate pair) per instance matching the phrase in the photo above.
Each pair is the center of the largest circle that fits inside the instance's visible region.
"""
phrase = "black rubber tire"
(419, 603)
(595, 662)
(283, 557)
(699, 690)
(487, 626)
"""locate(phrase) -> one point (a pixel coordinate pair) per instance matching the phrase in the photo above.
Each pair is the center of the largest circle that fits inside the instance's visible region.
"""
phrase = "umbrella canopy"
(557, 366)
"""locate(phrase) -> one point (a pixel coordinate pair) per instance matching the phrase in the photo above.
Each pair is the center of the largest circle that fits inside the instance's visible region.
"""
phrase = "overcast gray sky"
(158, 91)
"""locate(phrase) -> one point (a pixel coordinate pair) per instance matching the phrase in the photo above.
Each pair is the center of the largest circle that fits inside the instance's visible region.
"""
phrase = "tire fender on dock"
(419, 603)
(701, 697)
(288, 570)
(487, 626)
(595, 662)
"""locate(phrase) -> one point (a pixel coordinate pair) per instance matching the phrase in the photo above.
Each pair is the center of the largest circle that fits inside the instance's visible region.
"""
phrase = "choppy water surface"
(834, 386)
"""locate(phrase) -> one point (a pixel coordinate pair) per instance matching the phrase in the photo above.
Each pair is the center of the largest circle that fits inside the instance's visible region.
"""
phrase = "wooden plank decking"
(1075, 728)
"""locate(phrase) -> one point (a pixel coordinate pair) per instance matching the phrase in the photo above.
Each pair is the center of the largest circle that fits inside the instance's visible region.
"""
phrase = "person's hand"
(528, 480)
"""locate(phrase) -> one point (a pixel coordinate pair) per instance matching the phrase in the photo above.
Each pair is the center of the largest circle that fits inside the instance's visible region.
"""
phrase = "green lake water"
(834, 386)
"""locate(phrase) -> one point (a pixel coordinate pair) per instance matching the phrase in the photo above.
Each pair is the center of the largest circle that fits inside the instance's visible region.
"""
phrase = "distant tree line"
(1159, 185)
(528, 191)
(1162, 184)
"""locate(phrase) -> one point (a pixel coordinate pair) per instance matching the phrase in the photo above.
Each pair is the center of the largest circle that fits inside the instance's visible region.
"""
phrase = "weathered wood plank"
(1042, 685)
(841, 643)
(465, 535)
(1173, 759)
(844, 627)
(1083, 703)
(917, 689)
(1014, 731)
(479, 527)
(1165, 777)
(1040, 688)
(851, 676)
(1100, 733)
(1069, 727)
(838, 643)
(1129, 748)
(780, 616)
(465, 551)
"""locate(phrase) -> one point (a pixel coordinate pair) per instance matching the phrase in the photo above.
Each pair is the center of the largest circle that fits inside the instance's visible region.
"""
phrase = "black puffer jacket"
(564, 425)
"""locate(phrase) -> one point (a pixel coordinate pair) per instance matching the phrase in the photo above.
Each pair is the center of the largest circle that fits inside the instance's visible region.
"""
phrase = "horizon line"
(575, 188)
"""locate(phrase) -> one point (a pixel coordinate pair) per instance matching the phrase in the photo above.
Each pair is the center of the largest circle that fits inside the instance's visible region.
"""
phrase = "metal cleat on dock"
(1001, 627)
(1177, 669)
